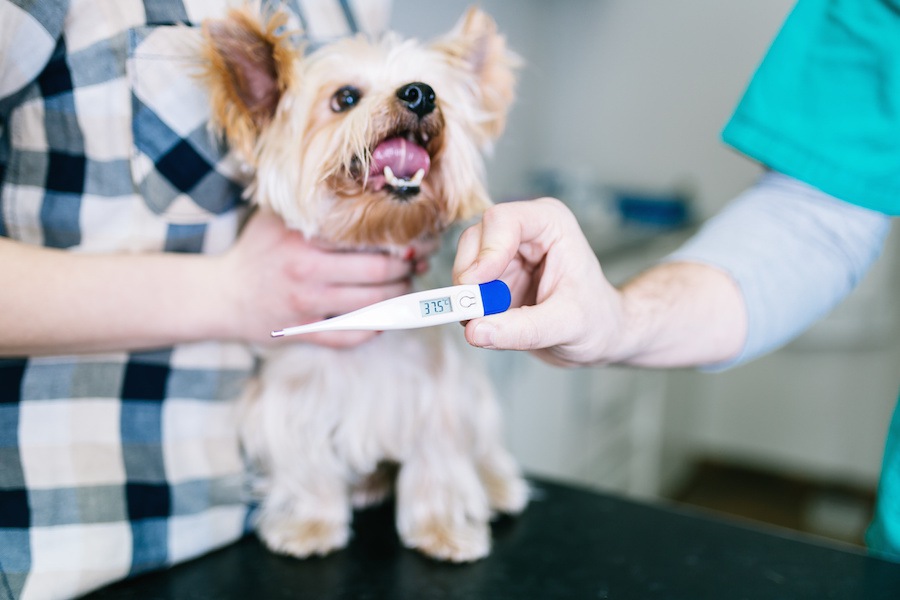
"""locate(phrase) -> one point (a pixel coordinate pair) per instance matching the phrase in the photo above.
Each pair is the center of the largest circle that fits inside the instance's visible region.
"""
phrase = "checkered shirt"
(119, 463)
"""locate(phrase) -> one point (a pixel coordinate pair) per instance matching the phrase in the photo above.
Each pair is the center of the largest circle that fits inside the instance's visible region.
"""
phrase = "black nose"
(418, 97)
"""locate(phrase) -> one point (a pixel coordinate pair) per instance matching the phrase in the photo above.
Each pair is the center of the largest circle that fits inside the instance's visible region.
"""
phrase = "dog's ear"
(248, 64)
(475, 46)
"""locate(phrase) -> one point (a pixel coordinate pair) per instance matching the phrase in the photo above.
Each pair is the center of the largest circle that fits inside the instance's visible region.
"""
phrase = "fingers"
(467, 248)
(283, 279)
(309, 261)
(331, 339)
(485, 249)
(506, 230)
(329, 301)
(354, 268)
(340, 339)
(539, 250)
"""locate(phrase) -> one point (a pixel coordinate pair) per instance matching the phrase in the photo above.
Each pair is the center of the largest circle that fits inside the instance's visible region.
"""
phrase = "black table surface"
(570, 543)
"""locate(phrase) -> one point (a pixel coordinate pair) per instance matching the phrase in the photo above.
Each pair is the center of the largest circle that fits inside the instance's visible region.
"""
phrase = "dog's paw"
(304, 538)
(452, 542)
(508, 495)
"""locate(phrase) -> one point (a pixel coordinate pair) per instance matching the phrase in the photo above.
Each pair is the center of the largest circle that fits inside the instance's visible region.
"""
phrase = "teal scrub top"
(824, 105)
(824, 108)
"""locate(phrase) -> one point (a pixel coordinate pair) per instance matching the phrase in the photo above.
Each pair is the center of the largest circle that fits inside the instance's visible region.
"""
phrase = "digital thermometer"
(419, 309)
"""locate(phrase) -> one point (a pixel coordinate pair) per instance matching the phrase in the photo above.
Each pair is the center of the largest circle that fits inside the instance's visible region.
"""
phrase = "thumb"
(525, 328)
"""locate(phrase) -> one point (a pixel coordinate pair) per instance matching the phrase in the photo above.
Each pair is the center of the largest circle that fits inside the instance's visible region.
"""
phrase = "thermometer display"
(435, 306)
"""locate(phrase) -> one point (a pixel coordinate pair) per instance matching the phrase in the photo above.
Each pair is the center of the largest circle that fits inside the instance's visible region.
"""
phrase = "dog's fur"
(332, 429)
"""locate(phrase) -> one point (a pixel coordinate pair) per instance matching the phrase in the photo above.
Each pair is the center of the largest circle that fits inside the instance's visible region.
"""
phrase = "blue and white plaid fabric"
(116, 464)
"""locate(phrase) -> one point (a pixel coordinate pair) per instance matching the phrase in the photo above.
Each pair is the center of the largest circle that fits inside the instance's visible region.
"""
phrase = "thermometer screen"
(435, 306)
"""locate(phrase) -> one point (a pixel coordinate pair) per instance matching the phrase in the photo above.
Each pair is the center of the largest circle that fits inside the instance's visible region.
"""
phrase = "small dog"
(374, 145)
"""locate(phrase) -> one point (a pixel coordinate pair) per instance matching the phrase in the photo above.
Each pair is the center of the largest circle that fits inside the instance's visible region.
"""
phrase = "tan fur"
(475, 43)
(244, 44)
(331, 429)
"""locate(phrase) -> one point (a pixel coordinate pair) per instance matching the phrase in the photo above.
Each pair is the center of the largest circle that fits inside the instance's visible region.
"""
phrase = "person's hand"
(564, 308)
(278, 279)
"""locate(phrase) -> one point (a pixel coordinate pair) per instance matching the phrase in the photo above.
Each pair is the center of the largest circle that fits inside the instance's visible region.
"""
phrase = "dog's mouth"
(399, 164)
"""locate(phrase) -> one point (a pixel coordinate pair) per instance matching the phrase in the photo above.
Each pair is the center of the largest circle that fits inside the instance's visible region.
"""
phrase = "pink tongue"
(402, 156)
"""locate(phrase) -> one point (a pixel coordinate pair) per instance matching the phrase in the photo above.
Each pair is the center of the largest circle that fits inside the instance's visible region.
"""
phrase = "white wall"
(630, 91)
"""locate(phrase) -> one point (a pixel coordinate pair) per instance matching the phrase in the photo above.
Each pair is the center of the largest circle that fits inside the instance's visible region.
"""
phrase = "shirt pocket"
(184, 173)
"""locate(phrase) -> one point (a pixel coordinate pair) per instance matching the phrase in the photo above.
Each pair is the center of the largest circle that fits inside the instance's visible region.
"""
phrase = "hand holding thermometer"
(419, 309)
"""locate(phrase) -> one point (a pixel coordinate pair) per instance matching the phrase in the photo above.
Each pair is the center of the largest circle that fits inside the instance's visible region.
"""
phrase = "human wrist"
(223, 301)
(635, 328)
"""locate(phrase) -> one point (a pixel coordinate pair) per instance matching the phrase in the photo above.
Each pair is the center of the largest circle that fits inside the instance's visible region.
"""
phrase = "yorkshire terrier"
(369, 145)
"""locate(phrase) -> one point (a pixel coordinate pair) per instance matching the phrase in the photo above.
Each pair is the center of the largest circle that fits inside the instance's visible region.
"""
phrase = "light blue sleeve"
(795, 253)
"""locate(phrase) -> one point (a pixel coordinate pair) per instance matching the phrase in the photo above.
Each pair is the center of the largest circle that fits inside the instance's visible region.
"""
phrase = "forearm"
(773, 262)
(58, 302)
(680, 314)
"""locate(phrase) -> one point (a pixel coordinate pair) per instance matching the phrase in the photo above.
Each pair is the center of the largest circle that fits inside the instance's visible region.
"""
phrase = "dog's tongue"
(404, 158)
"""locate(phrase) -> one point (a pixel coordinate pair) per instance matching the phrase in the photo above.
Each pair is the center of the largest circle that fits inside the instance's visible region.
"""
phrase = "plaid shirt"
(116, 464)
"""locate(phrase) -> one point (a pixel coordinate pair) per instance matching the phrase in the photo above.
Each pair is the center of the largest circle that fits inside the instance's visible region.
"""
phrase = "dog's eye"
(345, 98)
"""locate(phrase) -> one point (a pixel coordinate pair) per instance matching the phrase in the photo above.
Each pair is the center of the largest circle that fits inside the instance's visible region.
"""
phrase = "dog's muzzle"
(401, 161)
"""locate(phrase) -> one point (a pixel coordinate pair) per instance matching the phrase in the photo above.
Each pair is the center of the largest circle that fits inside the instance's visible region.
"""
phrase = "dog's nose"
(418, 97)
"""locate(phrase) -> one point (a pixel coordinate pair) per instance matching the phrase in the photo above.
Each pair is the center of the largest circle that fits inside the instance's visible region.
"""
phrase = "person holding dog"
(822, 113)
(135, 283)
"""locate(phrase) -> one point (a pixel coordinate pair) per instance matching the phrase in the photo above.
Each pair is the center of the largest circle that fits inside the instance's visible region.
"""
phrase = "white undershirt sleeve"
(795, 253)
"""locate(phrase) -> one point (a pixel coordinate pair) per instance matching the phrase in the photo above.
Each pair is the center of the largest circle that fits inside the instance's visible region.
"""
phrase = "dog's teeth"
(396, 182)
(390, 178)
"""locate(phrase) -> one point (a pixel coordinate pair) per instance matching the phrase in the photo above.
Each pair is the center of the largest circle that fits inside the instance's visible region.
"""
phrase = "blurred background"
(620, 107)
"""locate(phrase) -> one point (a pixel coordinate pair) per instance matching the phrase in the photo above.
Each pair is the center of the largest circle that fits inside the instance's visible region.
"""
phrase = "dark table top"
(570, 543)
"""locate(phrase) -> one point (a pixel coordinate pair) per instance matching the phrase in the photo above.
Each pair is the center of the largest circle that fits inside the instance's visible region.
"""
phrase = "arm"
(63, 302)
(571, 315)
(780, 257)
(794, 251)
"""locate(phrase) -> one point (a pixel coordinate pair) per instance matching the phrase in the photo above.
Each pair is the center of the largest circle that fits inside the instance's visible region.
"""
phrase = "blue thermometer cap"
(495, 297)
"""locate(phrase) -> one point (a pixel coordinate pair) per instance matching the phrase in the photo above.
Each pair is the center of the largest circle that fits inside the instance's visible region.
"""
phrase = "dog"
(369, 144)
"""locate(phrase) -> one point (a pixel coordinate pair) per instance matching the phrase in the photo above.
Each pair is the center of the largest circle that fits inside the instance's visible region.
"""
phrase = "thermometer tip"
(278, 334)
